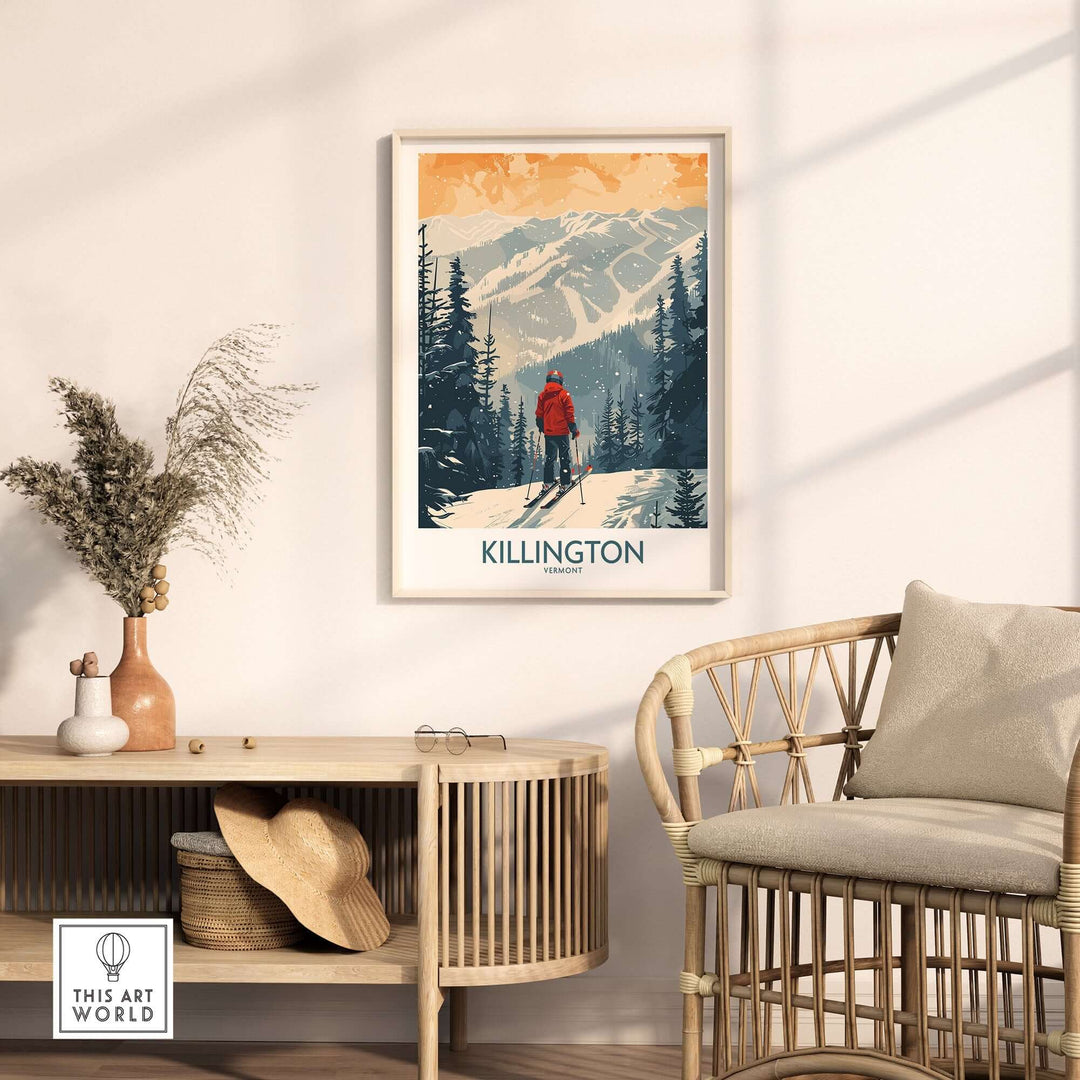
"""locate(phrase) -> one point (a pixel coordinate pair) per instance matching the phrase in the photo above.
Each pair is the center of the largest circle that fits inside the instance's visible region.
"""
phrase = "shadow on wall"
(776, 172)
(978, 397)
(127, 155)
(25, 583)
(981, 82)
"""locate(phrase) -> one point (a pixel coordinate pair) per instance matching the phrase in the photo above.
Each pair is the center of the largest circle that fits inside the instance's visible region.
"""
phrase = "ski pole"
(581, 476)
(532, 467)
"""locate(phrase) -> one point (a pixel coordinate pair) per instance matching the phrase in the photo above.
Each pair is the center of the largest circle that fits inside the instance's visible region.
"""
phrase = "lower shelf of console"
(26, 956)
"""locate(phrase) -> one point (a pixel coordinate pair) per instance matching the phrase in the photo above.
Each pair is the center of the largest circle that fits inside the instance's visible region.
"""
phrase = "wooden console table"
(492, 865)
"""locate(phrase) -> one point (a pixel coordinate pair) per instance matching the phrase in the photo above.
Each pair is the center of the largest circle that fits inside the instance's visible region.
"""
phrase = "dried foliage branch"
(216, 438)
(116, 514)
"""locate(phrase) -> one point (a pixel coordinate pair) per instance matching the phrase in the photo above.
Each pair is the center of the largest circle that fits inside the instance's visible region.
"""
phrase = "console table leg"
(427, 1043)
(429, 996)
(459, 1018)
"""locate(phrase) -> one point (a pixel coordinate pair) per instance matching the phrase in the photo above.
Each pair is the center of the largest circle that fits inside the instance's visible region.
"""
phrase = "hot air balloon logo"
(113, 949)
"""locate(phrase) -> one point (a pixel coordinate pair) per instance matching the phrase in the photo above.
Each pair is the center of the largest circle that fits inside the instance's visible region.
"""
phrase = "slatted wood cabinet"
(492, 865)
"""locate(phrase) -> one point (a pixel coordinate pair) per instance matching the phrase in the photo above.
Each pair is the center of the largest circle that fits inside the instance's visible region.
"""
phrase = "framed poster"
(561, 364)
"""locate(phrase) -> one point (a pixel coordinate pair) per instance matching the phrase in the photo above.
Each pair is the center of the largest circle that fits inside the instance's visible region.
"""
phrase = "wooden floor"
(327, 1061)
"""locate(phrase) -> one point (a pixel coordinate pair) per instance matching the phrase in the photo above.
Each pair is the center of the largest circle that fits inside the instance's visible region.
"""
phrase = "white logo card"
(113, 978)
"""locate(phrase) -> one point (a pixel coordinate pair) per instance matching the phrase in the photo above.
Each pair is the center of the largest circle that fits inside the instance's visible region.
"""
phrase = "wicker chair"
(832, 973)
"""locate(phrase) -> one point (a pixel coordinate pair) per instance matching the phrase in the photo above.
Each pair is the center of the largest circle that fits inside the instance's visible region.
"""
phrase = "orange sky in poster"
(545, 185)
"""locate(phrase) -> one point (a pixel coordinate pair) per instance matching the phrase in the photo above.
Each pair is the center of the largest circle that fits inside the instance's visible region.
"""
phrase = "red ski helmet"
(555, 376)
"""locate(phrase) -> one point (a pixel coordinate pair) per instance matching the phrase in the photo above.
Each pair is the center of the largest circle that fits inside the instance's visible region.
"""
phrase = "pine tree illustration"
(689, 502)
(439, 468)
(635, 427)
(607, 448)
(519, 443)
(486, 367)
(503, 430)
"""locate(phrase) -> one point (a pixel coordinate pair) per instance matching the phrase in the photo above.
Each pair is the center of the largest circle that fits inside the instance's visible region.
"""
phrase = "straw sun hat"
(311, 856)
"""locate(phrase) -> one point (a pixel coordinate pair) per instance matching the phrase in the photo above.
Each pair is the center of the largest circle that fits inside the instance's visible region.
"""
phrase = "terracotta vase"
(140, 696)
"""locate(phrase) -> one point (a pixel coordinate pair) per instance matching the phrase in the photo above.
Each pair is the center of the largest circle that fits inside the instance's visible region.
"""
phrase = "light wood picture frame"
(604, 255)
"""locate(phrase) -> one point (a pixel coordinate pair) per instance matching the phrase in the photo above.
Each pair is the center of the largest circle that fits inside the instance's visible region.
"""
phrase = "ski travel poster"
(561, 368)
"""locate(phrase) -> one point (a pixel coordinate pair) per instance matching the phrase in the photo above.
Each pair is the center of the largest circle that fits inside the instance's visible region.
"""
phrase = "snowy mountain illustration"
(617, 302)
(449, 234)
(557, 283)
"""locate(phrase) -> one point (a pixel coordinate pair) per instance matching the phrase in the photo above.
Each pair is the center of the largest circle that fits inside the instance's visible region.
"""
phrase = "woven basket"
(222, 908)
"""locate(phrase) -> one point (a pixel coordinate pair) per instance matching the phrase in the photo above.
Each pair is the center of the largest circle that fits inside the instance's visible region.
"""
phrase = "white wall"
(905, 390)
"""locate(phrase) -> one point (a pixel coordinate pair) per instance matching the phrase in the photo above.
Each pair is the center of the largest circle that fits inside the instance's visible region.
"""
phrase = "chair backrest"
(784, 669)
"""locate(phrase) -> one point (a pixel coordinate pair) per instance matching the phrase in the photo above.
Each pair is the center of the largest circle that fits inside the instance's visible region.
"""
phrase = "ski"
(566, 490)
(536, 498)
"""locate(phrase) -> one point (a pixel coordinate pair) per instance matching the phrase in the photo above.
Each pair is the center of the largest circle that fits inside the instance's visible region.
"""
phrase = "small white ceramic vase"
(93, 731)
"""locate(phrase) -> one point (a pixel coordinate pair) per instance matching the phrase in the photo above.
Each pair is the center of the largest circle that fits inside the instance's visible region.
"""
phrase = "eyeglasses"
(457, 740)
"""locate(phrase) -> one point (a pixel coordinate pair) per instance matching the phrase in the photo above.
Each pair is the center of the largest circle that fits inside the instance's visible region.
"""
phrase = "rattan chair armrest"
(648, 755)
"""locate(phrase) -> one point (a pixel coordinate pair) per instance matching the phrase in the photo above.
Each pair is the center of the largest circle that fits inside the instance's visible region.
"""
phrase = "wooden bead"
(196, 746)
(249, 742)
(146, 592)
(158, 572)
(75, 667)
(147, 606)
(90, 669)
(161, 587)
(161, 603)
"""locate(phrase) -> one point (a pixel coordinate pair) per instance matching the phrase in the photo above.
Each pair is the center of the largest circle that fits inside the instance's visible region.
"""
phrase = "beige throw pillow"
(982, 702)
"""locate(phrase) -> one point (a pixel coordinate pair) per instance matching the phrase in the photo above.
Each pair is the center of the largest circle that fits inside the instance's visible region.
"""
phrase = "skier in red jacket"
(555, 421)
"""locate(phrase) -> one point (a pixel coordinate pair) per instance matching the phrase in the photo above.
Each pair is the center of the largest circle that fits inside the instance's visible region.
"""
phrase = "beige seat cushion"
(982, 702)
(971, 845)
